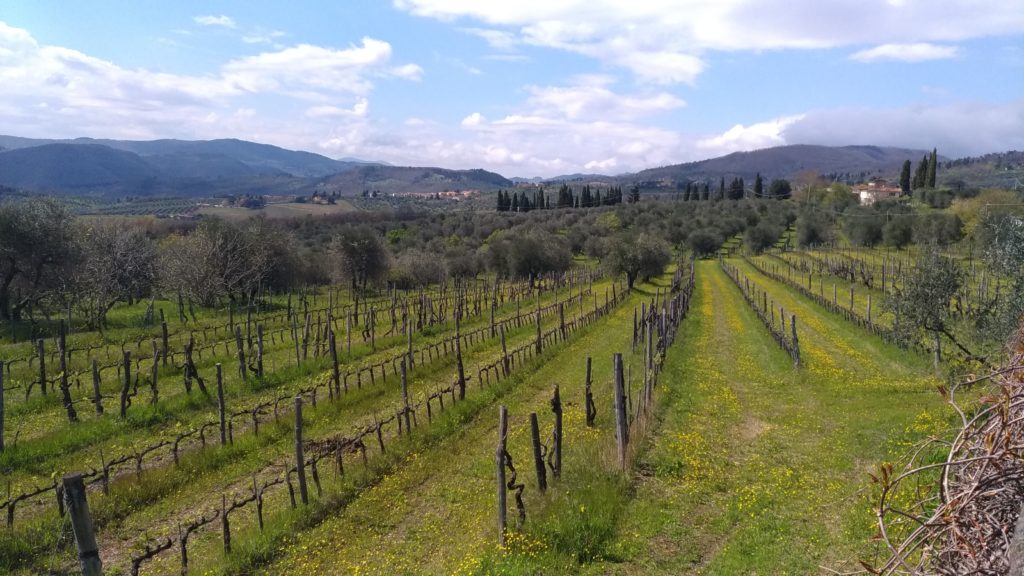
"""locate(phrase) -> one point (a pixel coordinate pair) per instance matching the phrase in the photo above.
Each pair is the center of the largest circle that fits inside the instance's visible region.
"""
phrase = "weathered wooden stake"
(243, 371)
(127, 372)
(1, 406)
(300, 459)
(591, 408)
(405, 398)
(621, 433)
(97, 398)
(538, 456)
(504, 353)
(81, 525)
(41, 352)
(796, 342)
(499, 458)
(556, 407)
(221, 412)
(335, 372)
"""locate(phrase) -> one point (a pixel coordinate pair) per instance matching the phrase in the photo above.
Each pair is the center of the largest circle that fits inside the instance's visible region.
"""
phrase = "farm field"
(742, 462)
(280, 210)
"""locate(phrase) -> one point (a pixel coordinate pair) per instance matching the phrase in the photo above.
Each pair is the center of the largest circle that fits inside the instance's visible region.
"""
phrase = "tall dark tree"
(634, 194)
(780, 189)
(933, 164)
(721, 189)
(758, 186)
(920, 175)
(905, 177)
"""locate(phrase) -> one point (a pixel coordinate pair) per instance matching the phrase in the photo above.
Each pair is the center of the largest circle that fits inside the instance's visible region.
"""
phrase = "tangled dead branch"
(951, 508)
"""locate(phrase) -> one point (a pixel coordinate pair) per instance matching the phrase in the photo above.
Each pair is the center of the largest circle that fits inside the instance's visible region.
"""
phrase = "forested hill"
(209, 168)
(847, 162)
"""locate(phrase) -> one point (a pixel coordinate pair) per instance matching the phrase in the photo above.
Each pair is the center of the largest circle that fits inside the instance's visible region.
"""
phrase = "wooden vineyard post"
(221, 413)
(621, 438)
(539, 344)
(796, 342)
(869, 309)
(938, 350)
(295, 340)
(538, 457)
(851, 297)
(408, 346)
(589, 405)
(41, 352)
(65, 388)
(127, 373)
(499, 458)
(97, 398)
(561, 320)
(1, 406)
(335, 373)
(163, 334)
(81, 525)
(556, 407)
(405, 398)
(458, 358)
(504, 354)
(259, 351)
(300, 459)
(242, 370)
(348, 334)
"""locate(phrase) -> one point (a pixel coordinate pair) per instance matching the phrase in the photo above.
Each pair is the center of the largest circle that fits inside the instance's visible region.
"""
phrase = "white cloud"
(52, 91)
(918, 52)
(957, 129)
(740, 137)
(589, 97)
(222, 20)
(664, 41)
(474, 119)
(358, 110)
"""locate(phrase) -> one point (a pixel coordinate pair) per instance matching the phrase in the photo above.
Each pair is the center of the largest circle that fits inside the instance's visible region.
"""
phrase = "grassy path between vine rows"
(757, 467)
(436, 513)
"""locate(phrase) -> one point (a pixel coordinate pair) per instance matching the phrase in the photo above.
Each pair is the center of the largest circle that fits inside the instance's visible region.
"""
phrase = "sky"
(526, 87)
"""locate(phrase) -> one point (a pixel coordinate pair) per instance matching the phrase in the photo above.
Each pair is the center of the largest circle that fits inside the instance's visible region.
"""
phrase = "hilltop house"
(876, 189)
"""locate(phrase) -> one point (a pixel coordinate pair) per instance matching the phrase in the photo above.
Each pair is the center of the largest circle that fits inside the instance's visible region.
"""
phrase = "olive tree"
(640, 256)
(117, 264)
(360, 255)
(35, 242)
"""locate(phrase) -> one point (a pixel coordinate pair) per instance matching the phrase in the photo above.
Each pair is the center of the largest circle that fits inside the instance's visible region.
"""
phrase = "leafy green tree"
(812, 228)
(780, 189)
(923, 301)
(905, 177)
(863, 226)
(634, 194)
(898, 232)
(705, 241)
(35, 243)
(641, 256)
(759, 238)
(920, 175)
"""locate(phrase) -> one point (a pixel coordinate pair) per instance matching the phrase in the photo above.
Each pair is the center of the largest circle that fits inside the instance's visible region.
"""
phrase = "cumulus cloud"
(56, 91)
(664, 41)
(740, 138)
(222, 21)
(474, 119)
(957, 129)
(918, 52)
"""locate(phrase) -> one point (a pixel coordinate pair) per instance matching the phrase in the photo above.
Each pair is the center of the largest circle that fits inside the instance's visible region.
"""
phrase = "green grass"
(753, 466)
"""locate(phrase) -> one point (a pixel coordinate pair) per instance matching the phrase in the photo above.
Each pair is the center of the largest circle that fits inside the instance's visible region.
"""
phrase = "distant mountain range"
(222, 167)
(209, 168)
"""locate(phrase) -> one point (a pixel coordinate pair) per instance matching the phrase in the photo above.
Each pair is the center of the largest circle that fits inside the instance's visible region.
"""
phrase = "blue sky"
(525, 88)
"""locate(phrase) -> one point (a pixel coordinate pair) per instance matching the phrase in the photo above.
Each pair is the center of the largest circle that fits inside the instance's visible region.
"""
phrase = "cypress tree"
(932, 166)
(758, 186)
(905, 177)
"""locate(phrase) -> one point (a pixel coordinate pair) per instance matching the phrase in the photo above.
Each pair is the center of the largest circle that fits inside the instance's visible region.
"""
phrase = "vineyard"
(714, 419)
(698, 415)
